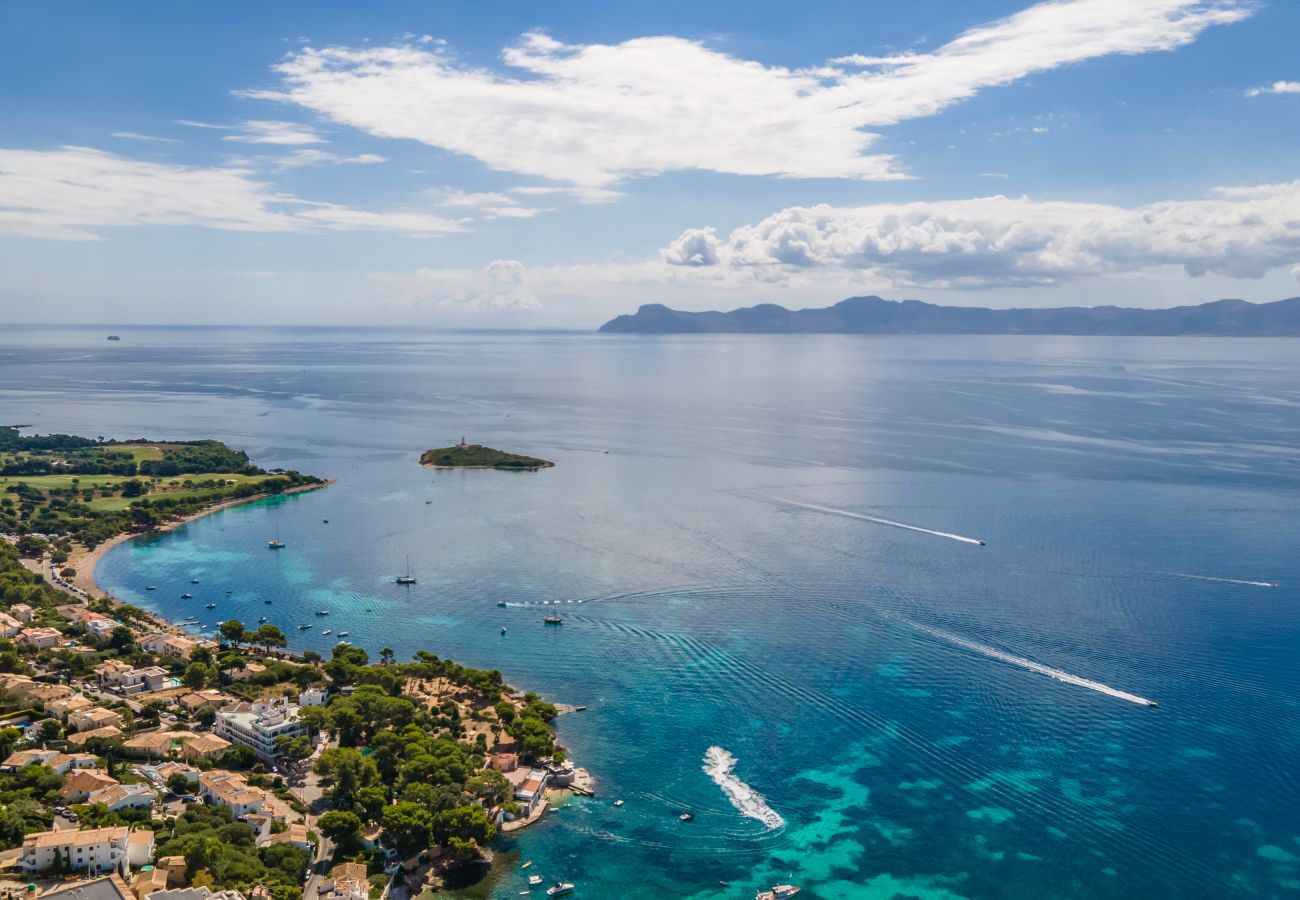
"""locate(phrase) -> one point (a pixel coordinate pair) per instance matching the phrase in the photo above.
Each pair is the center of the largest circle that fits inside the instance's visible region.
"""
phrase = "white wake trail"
(718, 765)
(1002, 655)
(1267, 584)
(831, 511)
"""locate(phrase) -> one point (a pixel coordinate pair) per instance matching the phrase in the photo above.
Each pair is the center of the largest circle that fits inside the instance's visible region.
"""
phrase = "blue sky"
(553, 165)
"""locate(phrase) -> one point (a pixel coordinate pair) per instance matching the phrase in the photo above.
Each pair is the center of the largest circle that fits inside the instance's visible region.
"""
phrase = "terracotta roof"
(43, 839)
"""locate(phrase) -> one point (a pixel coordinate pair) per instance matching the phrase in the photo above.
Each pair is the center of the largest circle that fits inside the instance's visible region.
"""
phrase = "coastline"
(546, 465)
(85, 561)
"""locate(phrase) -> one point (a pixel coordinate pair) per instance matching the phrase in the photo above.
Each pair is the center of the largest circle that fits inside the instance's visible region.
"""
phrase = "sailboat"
(275, 543)
(408, 578)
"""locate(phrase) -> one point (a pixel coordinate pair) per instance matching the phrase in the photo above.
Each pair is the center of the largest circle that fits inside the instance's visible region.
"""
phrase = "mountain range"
(875, 315)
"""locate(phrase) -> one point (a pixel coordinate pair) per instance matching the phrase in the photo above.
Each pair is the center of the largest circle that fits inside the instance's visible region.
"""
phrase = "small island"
(475, 456)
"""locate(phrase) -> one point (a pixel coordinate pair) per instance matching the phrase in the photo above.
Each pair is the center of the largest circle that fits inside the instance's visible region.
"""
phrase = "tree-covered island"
(476, 456)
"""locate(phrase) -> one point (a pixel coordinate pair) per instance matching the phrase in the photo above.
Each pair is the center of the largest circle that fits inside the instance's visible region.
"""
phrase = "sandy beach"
(84, 561)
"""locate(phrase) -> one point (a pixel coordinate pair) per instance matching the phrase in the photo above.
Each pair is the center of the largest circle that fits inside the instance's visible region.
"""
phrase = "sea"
(906, 616)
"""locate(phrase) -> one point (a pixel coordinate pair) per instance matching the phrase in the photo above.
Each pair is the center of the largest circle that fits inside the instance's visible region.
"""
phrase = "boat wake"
(831, 511)
(718, 765)
(1002, 655)
(1267, 584)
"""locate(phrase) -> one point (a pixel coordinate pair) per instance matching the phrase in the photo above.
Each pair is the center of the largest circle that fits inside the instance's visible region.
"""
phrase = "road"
(306, 786)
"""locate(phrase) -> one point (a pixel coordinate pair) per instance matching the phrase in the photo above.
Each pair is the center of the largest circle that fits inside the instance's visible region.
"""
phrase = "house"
(295, 834)
(248, 670)
(110, 733)
(82, 784)
(48, 693)
(108, 849)
(67, 762)
(174, 866)
(141, 681)
(110, 887)
(149, 880)
(204, 746)
(260, 726)
(16, 761)
(231, 790)
(22, 612)
(162, 773)
(531, 790)
(261, 825)
(194, 893)
(118, 797)
(314, 696)
(65, 706)
(153, 743)
(112, 671)
(40, 637)
(504, 761)
(196, 700)
(347, 881)
(95, 717)
(163, 644)
(96, 624)
(9, 626)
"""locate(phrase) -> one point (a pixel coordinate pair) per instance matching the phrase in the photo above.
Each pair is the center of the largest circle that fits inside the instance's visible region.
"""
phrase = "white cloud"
(1241, 232)
(309, 156)
(593, 115)
(135, 136)
(263, 131)
(485, 204)
(1277, 87)
(68, 194)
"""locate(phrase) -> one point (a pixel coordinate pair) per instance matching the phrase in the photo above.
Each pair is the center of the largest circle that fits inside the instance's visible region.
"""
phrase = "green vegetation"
(476, 456)
(90, 490)
(221, 853)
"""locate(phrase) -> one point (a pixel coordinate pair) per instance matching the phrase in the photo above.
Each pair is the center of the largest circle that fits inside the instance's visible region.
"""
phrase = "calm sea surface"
(712, 528)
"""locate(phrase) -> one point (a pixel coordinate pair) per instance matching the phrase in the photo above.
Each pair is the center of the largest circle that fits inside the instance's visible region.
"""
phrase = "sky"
(529, 165)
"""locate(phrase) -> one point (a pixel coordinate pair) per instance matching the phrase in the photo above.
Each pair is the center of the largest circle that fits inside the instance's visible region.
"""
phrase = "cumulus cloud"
(1277, 87)
(1011, 241)
(593, 115)
(70, 193)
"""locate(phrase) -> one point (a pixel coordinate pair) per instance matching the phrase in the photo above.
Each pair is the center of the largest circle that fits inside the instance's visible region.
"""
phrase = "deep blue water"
(853, 669)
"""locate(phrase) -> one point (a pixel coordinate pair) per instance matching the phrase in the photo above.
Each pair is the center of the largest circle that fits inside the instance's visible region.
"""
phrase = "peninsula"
(475, 456)
(113, 721)
(875, 315)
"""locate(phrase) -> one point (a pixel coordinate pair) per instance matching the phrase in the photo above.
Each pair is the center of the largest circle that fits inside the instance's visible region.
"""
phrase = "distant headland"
(475, 456)
(874, 315)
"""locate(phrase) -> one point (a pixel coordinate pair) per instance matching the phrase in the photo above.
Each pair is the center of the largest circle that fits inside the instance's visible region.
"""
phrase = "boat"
(326, 521)
(501, 603)
(503, 629)
(275, 544)
(113, 337)
(559, 889)
(322, 612)
(527, 864)
(267, 602)
(408, 578)
(534, 880)
(303, 626)
(618, 802)
(778, 892)
(553, 620)
(187, 596)
(194, 581)
(152, 587)
(261, 619)
(327, 631)
(686, 817)
(343, 634)
(210, 606)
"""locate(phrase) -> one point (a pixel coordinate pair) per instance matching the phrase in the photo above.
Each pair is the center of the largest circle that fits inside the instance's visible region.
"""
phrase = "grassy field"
(106, 504)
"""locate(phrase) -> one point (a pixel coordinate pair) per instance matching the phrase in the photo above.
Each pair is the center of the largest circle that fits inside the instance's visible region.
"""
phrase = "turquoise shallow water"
(869, 681)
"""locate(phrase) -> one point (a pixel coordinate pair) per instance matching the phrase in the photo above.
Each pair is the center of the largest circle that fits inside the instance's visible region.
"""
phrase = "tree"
(344, 771)
(121, 639)
(386, 655)
(409, 827)
(238, 757)
(269, 636)
(134, 488)
(464, 828)
(196, 676)
(343, 828)
(177, 783)
(233, 631)
(206, 715)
